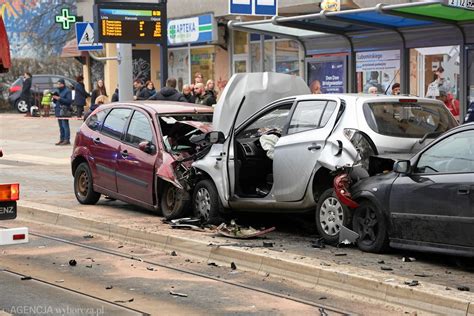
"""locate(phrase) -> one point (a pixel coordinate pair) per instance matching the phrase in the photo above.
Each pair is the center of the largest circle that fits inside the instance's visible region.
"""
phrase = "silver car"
(276, 146)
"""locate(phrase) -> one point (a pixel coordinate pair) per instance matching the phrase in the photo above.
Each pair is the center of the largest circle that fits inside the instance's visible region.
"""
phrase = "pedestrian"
(373, 82)
(26, 94)
(62, 110)
(80, 96)
(198, 78)
(147, 92)
(315, 87)
(188, 94)
(396, 89)
(169, 93)
(439, 84)
(46, 102)
(203, 97)
(99, 90)
(210, 91)
(102, 99)
(373, 90)
(115, 96)
(450, 102)
(137, 88)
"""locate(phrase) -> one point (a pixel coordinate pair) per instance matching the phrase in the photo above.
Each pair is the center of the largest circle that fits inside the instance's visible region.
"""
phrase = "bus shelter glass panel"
(287, 57)
(435, 73)
(377, 71)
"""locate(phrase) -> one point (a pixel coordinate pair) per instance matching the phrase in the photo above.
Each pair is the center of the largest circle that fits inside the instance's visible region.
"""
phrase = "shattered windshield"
(408, 119)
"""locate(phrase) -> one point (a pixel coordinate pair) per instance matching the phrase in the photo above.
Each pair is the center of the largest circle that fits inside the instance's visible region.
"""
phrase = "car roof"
(363, 97)
(166, 107)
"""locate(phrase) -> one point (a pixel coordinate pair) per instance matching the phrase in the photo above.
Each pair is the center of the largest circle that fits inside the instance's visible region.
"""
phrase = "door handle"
(96, 140)
(314, 147)
(124, 153)
(464, 190)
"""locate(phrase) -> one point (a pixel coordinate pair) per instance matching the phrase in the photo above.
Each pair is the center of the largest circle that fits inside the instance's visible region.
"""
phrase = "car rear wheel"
(174, 202)
(83, 186)
(371, 226)
(21, 106)
(331, 215)
(206, 202)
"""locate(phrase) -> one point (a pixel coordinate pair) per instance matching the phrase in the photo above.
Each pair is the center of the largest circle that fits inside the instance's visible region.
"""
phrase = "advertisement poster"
(178, 66)
(379, 69)
(330, 74)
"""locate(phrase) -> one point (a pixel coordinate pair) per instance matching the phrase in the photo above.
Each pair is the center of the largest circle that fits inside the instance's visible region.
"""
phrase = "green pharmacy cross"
(65, 19)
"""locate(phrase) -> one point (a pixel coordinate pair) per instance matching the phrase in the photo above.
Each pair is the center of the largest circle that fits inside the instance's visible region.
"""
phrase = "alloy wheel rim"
(22, 106)
(331, 216)
(368, 226)
(203, 203)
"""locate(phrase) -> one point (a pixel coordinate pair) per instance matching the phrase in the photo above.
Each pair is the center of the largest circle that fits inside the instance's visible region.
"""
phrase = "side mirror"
(215, 137)
(147, 147)
(402, 166)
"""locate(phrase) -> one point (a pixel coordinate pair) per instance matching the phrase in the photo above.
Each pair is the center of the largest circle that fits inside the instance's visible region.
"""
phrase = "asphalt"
(46, 196)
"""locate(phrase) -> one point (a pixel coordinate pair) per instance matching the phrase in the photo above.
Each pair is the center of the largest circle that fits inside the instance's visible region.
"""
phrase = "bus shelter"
(400, 28)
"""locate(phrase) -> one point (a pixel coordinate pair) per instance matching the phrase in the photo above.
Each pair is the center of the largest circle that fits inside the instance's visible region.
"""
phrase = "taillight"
(341, 185)
(407, 100)
(14, 89)
(9, 192)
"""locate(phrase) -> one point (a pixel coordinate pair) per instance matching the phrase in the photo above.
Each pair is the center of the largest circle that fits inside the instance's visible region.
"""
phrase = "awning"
(70, 50)
(5, 62)
(451, 23)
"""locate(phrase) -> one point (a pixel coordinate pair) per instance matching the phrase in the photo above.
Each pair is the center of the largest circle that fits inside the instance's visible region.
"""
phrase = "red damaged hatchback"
(136, 152)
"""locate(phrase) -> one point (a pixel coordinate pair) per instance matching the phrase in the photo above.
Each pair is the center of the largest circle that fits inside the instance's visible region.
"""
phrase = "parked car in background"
(40, 83)
(138, 152)
(280, 145)
(426, 203)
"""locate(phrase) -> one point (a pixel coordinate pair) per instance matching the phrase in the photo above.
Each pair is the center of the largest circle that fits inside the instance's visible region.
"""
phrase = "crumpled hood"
(259, 90)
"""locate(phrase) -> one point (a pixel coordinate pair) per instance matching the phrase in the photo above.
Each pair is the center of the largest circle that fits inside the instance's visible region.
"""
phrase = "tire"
(83, 185)
(206, 202)
(21, 106)
(370, 224)
(331, 215)
(174, 202)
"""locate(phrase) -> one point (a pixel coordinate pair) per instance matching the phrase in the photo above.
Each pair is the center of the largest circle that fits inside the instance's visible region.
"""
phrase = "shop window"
(379, 69)
(240, 43)
(178, 66)
(203, 61)
(287, 57)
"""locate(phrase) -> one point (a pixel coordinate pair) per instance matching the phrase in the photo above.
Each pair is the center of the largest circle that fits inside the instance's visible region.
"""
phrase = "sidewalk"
(328, 267)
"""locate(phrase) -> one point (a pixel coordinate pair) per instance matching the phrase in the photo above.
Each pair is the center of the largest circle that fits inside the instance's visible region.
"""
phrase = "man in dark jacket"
(169, 93)
(188, 93)
(26, 94)
(62, 99)
(204, 97)
(80, 95)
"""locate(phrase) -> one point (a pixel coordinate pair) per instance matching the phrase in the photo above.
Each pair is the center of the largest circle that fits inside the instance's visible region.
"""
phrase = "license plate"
(7, 210)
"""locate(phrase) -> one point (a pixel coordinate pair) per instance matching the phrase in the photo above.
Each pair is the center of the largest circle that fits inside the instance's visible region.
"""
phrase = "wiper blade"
(430, 134)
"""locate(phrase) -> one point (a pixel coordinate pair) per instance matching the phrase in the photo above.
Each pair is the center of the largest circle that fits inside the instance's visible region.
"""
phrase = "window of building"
(203, 61)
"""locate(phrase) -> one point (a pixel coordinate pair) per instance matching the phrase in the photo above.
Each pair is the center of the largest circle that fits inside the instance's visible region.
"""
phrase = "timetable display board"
(134, 23)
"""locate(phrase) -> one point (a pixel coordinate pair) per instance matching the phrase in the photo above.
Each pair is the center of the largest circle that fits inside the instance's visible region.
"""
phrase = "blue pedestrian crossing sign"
(253, 7)
(85, 37)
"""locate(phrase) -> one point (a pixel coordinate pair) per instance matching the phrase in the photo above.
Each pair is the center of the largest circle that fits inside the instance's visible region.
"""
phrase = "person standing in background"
(147, 92)
(26, 94)
(63, 101)
(99, 90)
(188, 94)
(315, 87)
(80, 96)
(396, 89)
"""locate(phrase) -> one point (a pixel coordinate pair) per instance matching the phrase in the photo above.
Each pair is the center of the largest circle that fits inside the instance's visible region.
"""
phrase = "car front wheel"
(83, 186)
(174, 202)
(206, 202)
(21, 106)
(371, 226)
(331, 215)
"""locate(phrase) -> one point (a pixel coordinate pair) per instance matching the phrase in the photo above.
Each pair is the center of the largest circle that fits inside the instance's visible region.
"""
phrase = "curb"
(427, 298)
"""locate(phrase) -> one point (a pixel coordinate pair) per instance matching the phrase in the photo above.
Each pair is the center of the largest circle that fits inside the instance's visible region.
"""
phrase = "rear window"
(408, 119)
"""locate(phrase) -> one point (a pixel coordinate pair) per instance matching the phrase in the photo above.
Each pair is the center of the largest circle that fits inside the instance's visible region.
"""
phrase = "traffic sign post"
(253, 7)
(85, 36)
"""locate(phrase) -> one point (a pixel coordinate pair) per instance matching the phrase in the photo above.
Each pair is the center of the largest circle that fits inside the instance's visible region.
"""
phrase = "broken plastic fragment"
(412, 283)
(347, 236)
(236, 231)
(178, 294)
(124, 301)
(463, 288)
(233, 266)
(72, 263)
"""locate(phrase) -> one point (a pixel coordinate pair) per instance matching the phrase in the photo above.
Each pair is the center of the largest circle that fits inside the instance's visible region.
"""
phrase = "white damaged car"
(275, 147)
